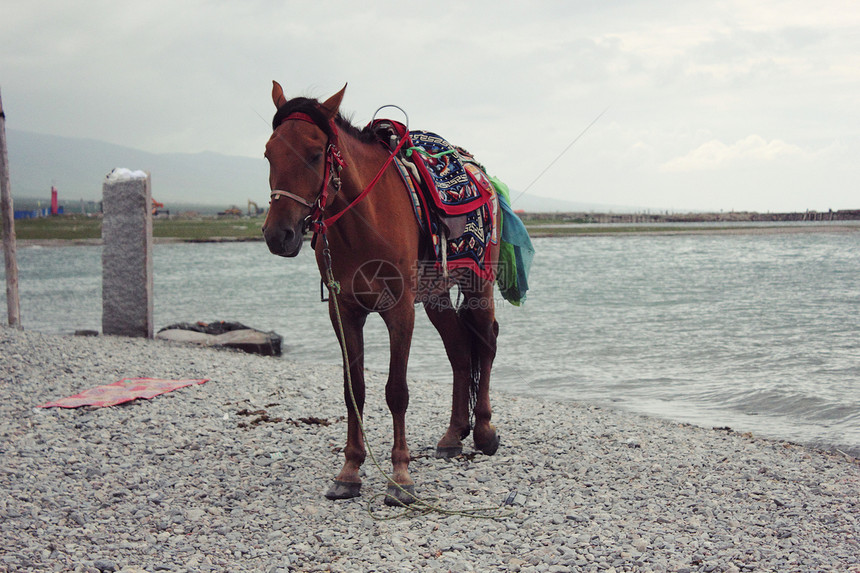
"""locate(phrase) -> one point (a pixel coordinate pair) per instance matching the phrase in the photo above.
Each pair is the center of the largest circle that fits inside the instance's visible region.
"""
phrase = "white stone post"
(127, 254)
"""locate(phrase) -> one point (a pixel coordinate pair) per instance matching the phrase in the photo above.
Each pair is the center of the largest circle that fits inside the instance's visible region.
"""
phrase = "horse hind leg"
(479, 316)
(457, 341)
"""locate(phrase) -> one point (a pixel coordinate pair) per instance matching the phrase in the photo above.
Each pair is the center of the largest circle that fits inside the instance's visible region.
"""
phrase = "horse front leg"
(400, 322)
(347, 484)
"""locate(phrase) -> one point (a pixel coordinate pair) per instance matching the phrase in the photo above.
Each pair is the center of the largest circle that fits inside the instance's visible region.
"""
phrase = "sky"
(713, 105)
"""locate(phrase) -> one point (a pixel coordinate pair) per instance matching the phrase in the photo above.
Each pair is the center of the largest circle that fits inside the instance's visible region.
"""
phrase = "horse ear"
(278, 94)
(332, 104)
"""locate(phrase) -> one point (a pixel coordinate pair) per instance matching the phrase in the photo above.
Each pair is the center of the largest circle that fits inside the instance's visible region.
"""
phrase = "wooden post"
(13, 305)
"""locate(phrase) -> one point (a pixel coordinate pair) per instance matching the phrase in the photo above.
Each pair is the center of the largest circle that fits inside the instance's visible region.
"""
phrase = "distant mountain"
(77, 167)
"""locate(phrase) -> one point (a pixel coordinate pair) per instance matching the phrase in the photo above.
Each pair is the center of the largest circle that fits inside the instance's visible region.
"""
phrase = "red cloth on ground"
(125, 390)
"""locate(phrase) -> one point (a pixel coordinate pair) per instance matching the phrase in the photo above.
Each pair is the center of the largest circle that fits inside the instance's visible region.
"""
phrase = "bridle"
(334, 163)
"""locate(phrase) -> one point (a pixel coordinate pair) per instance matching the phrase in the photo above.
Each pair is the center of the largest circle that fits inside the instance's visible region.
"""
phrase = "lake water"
(759, 332)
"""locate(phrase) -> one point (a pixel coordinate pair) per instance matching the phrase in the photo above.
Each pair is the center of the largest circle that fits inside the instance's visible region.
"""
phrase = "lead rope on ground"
(419, 506)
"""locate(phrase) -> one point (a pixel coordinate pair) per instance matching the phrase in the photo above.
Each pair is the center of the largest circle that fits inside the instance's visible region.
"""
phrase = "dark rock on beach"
(224, 334)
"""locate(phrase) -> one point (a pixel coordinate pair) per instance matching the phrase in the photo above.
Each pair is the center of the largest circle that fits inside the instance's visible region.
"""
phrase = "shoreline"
(186, 482)
(535, 231)
(556, 231)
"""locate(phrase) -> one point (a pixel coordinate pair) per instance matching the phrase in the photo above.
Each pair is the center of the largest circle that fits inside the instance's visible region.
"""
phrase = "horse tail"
(468, 320)
(475, 378)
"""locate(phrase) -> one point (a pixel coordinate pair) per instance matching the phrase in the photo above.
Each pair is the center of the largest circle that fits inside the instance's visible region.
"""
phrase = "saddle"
(461, 209)
(452, 197)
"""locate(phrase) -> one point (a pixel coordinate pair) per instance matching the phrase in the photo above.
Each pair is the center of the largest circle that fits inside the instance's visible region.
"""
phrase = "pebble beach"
(229, 475)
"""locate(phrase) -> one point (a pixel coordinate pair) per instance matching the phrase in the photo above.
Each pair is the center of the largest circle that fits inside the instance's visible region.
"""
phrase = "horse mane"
(311, 107)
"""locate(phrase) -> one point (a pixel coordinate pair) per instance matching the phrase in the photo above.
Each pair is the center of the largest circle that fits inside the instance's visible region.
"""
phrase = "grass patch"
(66, 227)
(205, 228)
(76, 227)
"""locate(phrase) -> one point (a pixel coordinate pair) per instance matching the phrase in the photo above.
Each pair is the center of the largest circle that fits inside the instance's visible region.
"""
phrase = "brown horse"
(319, 165)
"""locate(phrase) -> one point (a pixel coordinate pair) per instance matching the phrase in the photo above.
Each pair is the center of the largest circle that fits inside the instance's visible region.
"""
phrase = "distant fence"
(733, 216)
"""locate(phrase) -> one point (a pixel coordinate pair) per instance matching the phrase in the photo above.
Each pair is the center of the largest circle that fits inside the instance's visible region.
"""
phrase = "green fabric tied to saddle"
(516, 251)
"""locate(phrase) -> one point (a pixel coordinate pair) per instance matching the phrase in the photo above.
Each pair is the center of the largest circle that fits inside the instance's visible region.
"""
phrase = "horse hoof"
(343, 490)
(490, 448)
(400, 495)
(448, 452)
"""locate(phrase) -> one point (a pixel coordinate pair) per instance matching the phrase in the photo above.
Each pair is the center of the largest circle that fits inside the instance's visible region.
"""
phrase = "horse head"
(303, 163)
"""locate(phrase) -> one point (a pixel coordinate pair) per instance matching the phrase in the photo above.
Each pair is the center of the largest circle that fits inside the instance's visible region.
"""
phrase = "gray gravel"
(201, 479)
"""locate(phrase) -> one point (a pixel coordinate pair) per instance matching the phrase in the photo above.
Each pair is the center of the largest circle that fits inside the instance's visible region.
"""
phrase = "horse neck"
(363, 161)
(386, 205)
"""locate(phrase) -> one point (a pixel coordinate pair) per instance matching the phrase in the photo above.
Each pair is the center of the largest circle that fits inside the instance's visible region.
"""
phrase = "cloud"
(715, 154)
(688, 81)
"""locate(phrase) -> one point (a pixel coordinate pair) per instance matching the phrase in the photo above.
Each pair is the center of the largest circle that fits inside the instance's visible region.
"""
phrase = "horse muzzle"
(284, 242)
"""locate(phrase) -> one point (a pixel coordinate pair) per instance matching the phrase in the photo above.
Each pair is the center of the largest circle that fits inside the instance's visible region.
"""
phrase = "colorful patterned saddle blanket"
(458, 180)
(453, 199)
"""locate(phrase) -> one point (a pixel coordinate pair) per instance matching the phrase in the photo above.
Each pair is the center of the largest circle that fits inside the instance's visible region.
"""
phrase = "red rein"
(317, 223)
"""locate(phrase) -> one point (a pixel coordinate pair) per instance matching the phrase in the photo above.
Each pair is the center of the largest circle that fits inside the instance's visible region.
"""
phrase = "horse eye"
(315, 158)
